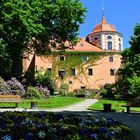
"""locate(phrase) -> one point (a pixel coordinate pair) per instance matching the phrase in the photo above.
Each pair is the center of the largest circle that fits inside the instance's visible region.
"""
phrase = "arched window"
(120, 46)
(109, 37)
(109, 45)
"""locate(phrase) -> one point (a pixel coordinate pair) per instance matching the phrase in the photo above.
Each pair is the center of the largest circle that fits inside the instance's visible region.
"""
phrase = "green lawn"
(116, 105)
(52, 102)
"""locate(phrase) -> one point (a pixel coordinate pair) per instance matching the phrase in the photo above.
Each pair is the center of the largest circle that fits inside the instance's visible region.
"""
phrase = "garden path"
(81, 106)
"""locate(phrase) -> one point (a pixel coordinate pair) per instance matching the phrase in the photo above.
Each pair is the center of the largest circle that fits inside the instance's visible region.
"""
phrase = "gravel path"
(81, 106)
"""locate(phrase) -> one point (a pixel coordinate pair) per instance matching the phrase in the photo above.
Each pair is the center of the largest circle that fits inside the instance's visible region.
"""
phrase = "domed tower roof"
(103, 26)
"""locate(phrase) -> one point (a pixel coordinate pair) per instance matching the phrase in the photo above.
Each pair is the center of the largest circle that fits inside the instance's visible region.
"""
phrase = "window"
(95, 38)
(70, 82)
(112, 72)
(109, 45)
(120, 47)
(90, 72)
(72, 72)
(110, 58)
(85, 58)
(83, 87)
(61, 73)
(109, 37)
(62, 58)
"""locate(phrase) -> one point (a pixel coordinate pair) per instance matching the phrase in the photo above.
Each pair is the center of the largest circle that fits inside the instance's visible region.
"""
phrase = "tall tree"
(130, 64)
(41, 22)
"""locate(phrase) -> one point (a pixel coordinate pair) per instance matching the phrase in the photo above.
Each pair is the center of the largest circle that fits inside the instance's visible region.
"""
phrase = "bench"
(10, 99)
(130, 105)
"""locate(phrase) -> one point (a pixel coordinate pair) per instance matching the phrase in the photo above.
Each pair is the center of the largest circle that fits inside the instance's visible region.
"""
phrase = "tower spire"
(102, 8)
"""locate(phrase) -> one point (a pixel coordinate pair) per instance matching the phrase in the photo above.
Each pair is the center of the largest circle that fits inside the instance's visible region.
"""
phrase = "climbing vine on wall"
(75, 60)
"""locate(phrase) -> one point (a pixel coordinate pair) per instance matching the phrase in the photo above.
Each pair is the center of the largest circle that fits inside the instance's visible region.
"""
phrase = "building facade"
(92, 63)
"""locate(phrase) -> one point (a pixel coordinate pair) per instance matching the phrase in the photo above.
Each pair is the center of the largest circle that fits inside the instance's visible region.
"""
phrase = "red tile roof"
(103, 26)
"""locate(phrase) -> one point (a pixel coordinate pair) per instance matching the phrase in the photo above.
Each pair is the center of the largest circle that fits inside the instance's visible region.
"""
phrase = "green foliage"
(71, 94)
(45, 79)
(135, 86)
(60, 126)
(130, 65)
(73, 61)
(107, 91)
(33, 93)
(40, 23)
(5, 61)
(64, 89)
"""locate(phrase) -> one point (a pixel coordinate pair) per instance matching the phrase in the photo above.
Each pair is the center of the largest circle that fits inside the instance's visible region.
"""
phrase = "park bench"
(128, 105)
(10, 99)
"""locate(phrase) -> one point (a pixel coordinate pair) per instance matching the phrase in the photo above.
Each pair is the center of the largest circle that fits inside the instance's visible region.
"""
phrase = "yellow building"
(92, 63)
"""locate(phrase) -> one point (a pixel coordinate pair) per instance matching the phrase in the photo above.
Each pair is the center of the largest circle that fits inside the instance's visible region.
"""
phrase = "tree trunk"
(16, 56)
(17, 66)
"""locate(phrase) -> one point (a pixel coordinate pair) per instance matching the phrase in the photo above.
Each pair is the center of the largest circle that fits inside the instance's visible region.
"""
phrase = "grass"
(116, 105)
(53, 102)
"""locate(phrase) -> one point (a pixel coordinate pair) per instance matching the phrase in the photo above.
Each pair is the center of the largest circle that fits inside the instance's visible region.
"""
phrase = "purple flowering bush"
(4, 88)
(44, 90)
(61, 126)
(12, 86)
(16, 87)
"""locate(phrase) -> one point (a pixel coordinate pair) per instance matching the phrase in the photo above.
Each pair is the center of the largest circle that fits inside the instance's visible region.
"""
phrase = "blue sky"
(123, 14)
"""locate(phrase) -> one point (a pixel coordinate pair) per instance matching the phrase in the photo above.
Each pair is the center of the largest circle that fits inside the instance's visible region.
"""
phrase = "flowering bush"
(54, 126)
(4, 88)
(16, 87)
(44, 90)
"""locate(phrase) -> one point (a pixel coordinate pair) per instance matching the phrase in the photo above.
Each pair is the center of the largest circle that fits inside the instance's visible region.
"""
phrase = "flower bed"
(54, 126)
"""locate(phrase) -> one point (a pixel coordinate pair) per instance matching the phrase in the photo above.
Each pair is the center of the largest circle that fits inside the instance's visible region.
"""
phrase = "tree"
(135, 87)
(5, 61)
(43, 23)
(130, 69)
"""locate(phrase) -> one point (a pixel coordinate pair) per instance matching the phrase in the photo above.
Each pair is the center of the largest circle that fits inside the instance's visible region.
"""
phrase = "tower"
(105, 36)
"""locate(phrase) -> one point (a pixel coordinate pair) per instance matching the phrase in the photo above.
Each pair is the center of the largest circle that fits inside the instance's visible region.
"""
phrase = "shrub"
(71, 94)
(58, 126)
(107, 91)
(64, 89)
(16, 87)
(44, 90)
(33, 93)
(46, 80)
(4, 88)
(135, 87)
(90, 93)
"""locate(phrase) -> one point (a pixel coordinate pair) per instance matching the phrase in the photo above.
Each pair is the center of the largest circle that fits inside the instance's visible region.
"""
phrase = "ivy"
(74, 60)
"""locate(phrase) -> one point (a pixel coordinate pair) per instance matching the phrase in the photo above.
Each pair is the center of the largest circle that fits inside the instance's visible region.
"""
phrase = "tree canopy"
(129, 73)
(41, 22)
